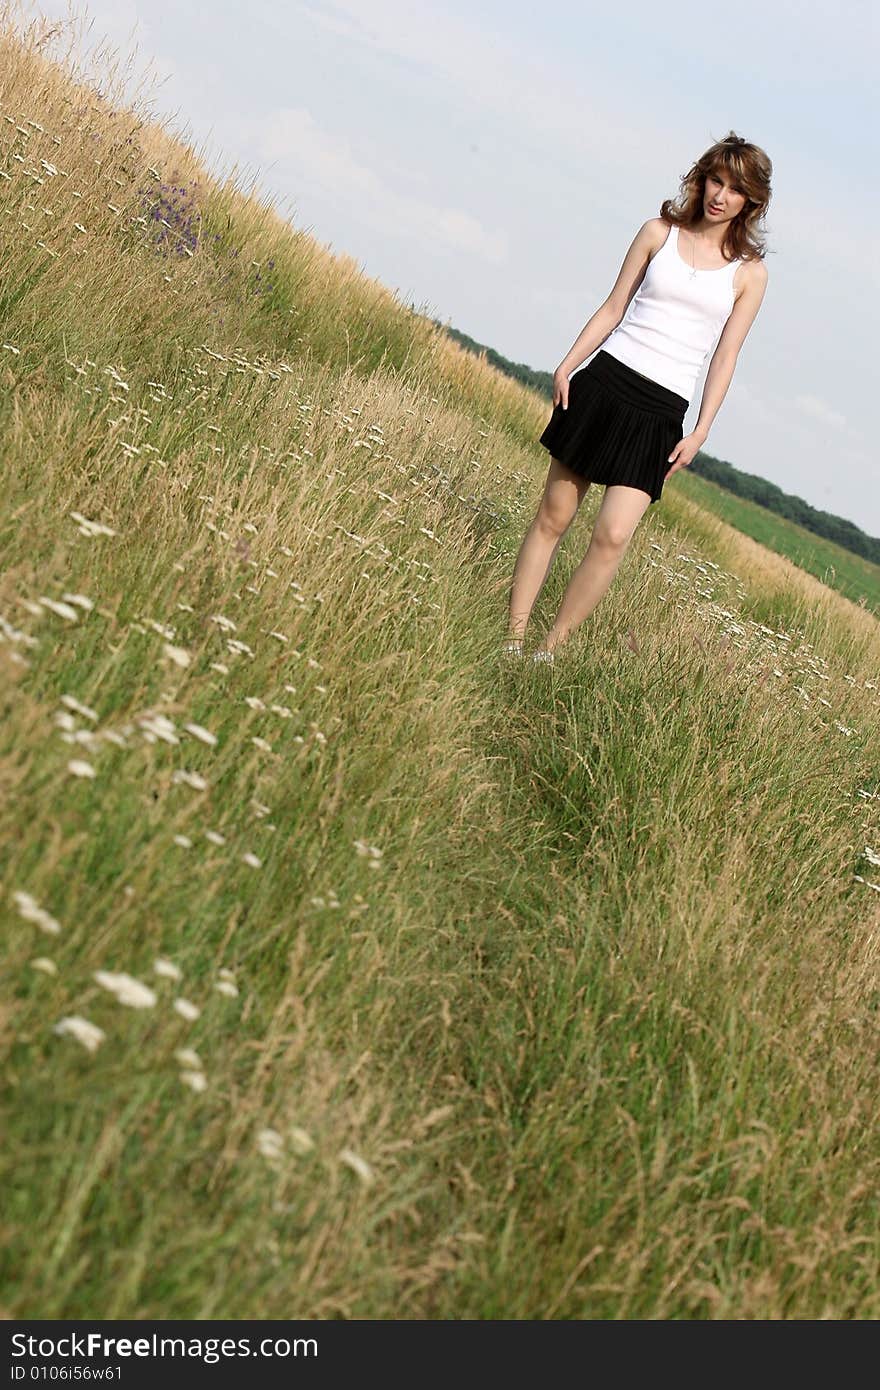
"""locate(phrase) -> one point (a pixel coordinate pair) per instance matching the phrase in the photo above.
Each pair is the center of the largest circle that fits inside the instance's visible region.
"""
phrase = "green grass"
(544, 993)
(850, 575)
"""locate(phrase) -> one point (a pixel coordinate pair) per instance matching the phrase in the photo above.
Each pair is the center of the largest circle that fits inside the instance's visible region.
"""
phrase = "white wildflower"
(187, 1010)
(72, 703)
(179, 655)
(31, 911)
(202, 734)
(196, 1080)
(301, 1142)
(167, 969)
(190, 779)
(79, 768)
(89, 1034)
(367, 851)
(357, 1165)
(63, 610)
(91, 528)
(155, 726)
(126, 988)
(188, 1057)
(270, 1143)
(45, 965)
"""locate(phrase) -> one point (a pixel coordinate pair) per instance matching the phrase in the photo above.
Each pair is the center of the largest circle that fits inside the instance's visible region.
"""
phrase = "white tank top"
(674, 319)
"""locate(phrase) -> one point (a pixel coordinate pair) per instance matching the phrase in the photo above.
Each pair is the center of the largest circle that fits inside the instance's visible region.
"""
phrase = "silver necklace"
(692, 274)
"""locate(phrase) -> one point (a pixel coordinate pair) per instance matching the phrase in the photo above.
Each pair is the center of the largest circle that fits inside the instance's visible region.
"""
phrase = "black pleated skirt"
(620, 427)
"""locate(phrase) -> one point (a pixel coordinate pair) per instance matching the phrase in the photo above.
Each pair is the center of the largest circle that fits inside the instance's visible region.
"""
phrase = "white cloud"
(345, 25)
(820, 410)
(306, 154)
(584, 122)
(480, 66)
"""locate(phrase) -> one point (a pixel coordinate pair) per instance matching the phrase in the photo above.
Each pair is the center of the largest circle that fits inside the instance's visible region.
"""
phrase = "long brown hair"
(751, 170)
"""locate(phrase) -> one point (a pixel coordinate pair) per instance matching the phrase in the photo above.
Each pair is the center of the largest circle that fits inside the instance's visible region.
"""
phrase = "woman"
(693, 277)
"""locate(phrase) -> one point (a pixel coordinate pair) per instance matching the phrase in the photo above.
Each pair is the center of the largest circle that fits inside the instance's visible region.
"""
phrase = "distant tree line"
(538, 381)
(747, 485)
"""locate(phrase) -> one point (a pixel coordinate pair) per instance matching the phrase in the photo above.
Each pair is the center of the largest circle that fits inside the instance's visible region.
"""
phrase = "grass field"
(349, 973)
(852, 576)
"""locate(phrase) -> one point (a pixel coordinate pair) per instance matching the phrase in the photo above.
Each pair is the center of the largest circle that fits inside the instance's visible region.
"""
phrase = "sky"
(491, 163)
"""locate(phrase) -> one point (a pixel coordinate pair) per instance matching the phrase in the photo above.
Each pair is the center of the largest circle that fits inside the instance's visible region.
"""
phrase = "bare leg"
(617, 518)
(563, 493)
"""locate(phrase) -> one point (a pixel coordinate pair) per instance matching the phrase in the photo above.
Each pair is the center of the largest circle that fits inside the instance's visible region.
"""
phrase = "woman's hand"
(560, 388)
(684, 452)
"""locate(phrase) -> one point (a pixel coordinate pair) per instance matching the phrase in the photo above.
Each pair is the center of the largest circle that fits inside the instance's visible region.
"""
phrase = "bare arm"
(721, 368)
(610, 313)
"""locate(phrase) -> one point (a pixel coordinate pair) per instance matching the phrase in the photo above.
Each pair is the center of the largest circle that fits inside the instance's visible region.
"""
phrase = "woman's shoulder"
(756, 270)
(751, 274)
(653, 233)
(657, 226)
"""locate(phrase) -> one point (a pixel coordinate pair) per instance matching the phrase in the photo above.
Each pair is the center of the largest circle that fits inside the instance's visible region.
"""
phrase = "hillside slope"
(348, 973)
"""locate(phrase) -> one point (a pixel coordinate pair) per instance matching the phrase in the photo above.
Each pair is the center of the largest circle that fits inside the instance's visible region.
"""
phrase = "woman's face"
(722, 192)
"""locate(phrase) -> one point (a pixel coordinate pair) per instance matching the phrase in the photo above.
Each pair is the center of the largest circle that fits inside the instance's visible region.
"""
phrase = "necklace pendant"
(692, 274)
